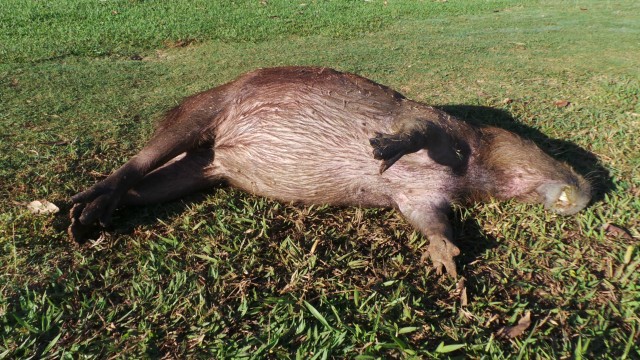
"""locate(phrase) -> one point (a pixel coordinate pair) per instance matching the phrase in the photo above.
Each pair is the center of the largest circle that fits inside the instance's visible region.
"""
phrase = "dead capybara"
(318, 136)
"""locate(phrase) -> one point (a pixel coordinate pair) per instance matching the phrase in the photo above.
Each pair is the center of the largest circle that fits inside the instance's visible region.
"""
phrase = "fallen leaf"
(464, 301)
(615, 231)
(510, 332)
(42, 207)
(462, 290)
(507, 101)
(562, 103)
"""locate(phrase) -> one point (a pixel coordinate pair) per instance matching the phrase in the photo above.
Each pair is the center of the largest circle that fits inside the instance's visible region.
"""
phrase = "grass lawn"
(228, 275)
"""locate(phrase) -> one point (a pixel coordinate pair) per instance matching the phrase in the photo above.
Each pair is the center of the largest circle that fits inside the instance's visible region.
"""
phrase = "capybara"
(318, 136)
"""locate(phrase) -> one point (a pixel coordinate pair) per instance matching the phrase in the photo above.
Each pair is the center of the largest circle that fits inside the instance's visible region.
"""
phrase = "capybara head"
(525, 172)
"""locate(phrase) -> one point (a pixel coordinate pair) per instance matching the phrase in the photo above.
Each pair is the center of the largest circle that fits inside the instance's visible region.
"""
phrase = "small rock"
(42, 207)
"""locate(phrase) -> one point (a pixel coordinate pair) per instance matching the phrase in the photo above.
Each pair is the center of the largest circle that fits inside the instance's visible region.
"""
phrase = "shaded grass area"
(226, 274)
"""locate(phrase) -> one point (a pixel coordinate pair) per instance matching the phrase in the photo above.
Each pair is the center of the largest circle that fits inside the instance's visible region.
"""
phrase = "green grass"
(230, 275)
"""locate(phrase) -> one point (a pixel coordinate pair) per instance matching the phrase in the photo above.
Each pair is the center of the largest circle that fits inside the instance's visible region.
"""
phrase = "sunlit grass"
(230, 275)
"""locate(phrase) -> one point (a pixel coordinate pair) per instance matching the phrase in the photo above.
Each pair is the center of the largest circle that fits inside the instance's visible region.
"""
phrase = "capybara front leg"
(391, 147)
(441, 251)
(432, 221)
(410, 134)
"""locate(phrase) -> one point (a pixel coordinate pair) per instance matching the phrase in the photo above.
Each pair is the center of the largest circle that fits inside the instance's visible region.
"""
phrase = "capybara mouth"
(570, 200)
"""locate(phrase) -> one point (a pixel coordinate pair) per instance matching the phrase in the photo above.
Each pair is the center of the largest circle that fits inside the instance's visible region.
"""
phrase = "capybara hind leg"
(183, 130)
(179, 177)
(102, 199)
(182, 175)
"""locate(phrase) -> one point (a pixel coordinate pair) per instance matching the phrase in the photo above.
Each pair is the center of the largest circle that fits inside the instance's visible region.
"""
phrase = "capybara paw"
(387, 146)
(87, 216)
(77, 231)
(99, 210)
(441, 251)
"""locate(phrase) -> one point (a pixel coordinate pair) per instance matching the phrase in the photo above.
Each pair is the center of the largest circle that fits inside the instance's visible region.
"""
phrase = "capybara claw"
(77, 231)
(441, 252)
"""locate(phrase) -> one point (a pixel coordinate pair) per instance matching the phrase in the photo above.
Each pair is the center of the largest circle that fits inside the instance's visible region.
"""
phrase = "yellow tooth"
(563, 197)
